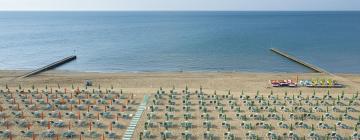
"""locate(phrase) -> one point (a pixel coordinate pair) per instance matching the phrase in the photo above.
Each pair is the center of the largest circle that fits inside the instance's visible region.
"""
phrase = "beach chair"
(232, 103)
(187, 116)
(186, 108)
(219, 109)
(48, 133)
(205, 116)
(200, 97)
(292, 135)
(117, 124)
(186, 124)
(80, 107)
(186, 97)
(207, 124)
(42, 123)
(334, 135)
(111, 108)
(272, 136)
(223, 116)
(171, 102)
(22, 123)
(236, 109)
(226, 125)
(98, 124)
(251, 135)
(202, 103)
(156, 101)
(342, 125)
(213, 101)
(62, 107)
(214, 97)
(255, 116)
(172, 96)
(186, 135)
(169, 115)
(347, 116)
(203, 109)
(248, 103)
(229, 136)
(95, 108)
(166, 124)
(31, 107)
(89, 115)
(72, 101)
(170, 108)
(323, 125)
(90, 134)
(53, 114)
(107, 115)
(70, 115)
(263, 125)
(149, 123)
(186, 102)
(81, 123)
(151, 115)
(146, 134)
(273, 116)
(313, 136)
(355, 136)
(110, 134)
(17, 114)
(68, 134)
(39, 101)
(208, 135)
(27, 133)
(241, 117)
(153, 108)
(125, 115)
(246, 125)
(166, 134)
(25, 101)
(87, 101)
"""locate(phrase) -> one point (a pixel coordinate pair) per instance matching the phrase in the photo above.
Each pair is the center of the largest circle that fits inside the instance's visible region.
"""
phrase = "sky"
(176, 5)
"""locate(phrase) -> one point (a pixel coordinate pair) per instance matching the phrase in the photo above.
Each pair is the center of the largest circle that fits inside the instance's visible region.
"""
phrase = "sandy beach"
(151, 81)
(141, 84)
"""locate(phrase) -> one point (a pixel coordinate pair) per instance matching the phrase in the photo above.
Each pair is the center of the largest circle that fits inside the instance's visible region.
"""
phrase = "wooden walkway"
(294, 59)
(131, 128)
(50, 66)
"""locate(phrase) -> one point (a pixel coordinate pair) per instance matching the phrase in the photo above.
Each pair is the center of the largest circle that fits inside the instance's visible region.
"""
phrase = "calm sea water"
(180, 41)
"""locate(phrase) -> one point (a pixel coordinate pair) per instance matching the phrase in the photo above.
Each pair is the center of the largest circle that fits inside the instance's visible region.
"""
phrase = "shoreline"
(199, 71)
(150, 81)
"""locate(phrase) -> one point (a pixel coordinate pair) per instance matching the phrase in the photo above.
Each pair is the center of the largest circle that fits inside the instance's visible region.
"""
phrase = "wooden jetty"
(50, 66)
(294, 59)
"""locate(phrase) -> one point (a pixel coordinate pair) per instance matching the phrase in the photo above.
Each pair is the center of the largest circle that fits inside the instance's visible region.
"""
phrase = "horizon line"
(179, 10)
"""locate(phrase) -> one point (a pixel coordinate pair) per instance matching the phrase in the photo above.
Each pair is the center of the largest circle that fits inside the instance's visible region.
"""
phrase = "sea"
(186, 41)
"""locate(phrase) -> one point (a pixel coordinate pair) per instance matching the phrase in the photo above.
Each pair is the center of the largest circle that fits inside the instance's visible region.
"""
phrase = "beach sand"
(148, 83)
(151, 81)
